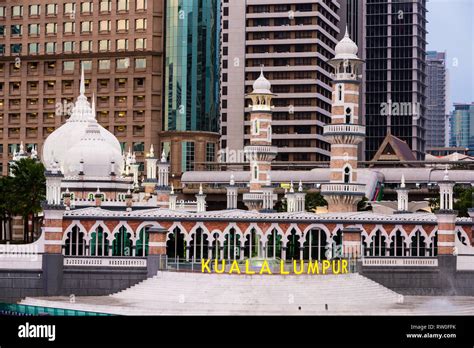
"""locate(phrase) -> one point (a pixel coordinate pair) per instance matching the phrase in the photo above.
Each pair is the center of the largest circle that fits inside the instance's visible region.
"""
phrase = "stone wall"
(16, 285)
(424, 281)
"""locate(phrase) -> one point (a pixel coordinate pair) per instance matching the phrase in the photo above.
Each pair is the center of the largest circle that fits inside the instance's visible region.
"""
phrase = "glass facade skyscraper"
(462, 127)
(191, 101)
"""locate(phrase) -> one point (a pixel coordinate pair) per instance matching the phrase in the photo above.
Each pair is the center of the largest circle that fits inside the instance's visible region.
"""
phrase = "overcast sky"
(451, 29)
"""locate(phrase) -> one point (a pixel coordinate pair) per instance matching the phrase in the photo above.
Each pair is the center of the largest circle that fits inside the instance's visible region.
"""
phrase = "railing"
(400, 262)
(344, 128)
(351, 188)
(105, 262)
(256, 148)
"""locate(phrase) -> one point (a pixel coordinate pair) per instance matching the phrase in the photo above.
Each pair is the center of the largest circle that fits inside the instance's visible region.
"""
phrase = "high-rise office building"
(43, 44)
(395, 73)
(436, 104)
(291, 41)
(462, 127)
(191, 91)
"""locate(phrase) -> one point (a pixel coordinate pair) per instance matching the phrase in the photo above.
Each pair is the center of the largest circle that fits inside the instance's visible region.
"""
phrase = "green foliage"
(463, 198)
(22, 193)
(364, 205)
(313, 200)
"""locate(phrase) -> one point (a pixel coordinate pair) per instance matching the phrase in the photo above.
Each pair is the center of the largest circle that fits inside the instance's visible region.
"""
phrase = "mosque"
(98, 213)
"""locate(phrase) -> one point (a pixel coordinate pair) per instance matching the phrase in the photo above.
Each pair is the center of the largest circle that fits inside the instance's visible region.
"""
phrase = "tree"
(314, 200)
(364, 205)
(7, 207)
(29, 187)
(463, 200)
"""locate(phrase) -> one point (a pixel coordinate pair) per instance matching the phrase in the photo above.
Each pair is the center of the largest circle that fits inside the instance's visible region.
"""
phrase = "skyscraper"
(191, 92)
(42, 47)
(462, 127)
(395, 81)
(436, 112)
(292, 42)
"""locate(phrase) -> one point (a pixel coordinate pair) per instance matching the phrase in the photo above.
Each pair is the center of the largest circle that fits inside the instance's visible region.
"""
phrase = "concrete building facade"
(42, 47)
(462, 127)
(436, 104)
(291, 40)
(395, 44)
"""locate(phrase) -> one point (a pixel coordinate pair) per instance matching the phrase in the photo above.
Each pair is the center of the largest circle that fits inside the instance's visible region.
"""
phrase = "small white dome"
(346, 48)
(95, 152)
(262, 85)
(71, 132)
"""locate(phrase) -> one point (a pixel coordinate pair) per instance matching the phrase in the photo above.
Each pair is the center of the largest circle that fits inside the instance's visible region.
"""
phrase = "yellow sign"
(298, 267)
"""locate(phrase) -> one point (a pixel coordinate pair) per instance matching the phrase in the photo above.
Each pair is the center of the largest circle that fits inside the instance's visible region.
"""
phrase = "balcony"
(342, 188)
(343, 129)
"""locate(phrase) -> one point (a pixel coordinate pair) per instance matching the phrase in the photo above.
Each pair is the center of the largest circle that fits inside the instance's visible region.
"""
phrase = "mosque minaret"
(344, 133)
(260, 153)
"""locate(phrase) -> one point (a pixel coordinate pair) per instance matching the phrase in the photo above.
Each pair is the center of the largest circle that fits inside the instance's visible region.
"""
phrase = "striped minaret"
(344, 133)
(260, 153)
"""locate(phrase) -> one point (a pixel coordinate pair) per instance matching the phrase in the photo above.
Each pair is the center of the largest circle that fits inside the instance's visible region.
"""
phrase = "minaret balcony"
(343, 189)
(260, 152)
(344, 133)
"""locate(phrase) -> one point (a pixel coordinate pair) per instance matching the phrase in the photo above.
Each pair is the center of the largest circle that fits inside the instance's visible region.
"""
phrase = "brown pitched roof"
(394, 149)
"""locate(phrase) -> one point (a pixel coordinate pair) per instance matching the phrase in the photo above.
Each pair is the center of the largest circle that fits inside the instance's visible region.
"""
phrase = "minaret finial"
(152, 151)
(82, 89)
(402, 184)
(347, 32)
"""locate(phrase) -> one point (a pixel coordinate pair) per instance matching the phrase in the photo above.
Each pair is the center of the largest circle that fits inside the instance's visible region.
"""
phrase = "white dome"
(95, 152)
(71, 132)
(262, 85)
(346, 48)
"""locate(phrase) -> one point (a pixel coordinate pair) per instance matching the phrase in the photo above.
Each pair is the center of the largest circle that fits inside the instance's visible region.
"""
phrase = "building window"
(51, 28)
(34, 10)
(68, 46)
(122, 5)
(86, 46)
(68, 65)
(140, 63)
(141, 5)
(140, 24)
(33, 48)
(2, 11)
(104, 64)
(86, 27)
(105, 5)
(123, 63)
(187, 156)
(15, 48)
(69, 8)
(140, 44)
(51, 9)
(104, 45)
(2, 49)
(2, 30)
(69, 27)
(210, 152)
(17, 11)
(347, 175)
(139, 147)
(16, 30)
(50, 47)
(122, 44)
(122, 25)
(87, 64)
(348, 116)
(104, 26)
(33, 29)
(86, 7)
